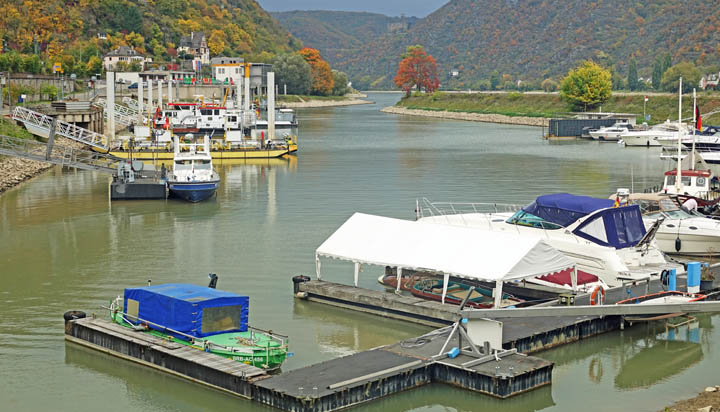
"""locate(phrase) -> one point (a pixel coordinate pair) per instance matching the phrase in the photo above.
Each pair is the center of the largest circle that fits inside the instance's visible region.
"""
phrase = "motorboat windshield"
(524, 218)
(664, 207)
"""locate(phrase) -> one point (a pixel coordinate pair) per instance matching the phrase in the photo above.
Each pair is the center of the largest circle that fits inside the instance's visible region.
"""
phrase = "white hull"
(608, 137)
(610, 265)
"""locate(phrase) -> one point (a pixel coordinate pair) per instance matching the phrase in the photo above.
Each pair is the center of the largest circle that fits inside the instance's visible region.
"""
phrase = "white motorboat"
(652, 136)
(605, 241)
(611, 133)
(681, 232)
(193, 177)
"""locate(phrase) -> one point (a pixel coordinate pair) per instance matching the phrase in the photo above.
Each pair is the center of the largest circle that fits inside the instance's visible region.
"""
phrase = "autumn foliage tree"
(322, 83)
(586, 86)
(417, 69)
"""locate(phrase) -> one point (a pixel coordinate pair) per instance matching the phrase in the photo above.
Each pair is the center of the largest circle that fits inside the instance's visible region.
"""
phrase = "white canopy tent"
(450, 250)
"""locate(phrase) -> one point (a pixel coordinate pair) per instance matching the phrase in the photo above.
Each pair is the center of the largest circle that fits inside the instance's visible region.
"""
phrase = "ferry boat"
(193, 177)
(200, 317)
(609, 243)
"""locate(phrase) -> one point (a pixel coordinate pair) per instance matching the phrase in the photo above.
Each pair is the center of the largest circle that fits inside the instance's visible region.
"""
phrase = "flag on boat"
(698, 120)
(646, 98)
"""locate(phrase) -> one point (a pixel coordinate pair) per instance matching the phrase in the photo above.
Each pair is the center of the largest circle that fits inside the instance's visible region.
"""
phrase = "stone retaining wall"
(474, 117)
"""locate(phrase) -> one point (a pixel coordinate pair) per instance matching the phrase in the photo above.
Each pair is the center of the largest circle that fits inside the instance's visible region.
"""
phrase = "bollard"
(693, 277)
(672, 280)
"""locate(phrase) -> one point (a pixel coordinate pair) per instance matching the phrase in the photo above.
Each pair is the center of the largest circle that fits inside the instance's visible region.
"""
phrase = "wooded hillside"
(525, 40)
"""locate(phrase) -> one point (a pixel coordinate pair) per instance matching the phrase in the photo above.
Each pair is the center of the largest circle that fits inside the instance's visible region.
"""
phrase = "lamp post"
(2, 87)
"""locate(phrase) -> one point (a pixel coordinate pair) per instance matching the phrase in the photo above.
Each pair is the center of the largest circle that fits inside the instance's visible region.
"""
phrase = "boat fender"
(598, 296)
(301, 295)
(678, 244)
(72, 315)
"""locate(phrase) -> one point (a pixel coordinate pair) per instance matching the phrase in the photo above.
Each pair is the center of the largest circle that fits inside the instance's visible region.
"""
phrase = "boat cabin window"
(217, 112)
(203, 164)
(221, 318)
(183, 164)
(524, 218)
(206, 112)
(647, 206)
(670, 180)
(232, 118)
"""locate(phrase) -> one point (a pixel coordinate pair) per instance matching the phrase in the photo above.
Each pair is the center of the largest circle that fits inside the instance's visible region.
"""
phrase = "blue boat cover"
(564, 208)
(617, 227)
(194, 310)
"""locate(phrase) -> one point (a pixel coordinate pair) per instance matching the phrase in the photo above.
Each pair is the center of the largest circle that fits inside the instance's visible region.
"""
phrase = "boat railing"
(276, 337)
(426, 208)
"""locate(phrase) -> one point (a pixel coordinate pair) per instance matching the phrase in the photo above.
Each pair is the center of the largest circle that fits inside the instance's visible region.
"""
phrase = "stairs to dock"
(42, 125)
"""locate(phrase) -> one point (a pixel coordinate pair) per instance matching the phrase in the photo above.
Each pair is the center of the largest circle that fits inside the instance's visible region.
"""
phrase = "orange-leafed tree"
(322, 77)
(417, 69)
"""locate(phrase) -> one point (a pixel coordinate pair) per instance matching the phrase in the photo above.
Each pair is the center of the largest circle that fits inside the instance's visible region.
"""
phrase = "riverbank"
(549, 105)
(707, 398)
(474, 117)
(296, 101)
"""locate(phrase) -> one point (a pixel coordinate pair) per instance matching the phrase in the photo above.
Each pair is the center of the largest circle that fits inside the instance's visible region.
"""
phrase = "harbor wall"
(473, 117)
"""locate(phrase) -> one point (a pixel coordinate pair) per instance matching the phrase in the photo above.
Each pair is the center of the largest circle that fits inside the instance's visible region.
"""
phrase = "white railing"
(427, 208)
(131, 103)
(58, 154)
(35, 122)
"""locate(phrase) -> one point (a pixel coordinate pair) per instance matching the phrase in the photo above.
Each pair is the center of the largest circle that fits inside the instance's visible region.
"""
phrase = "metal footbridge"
(58, 154)
(45, 126)
(123, 115)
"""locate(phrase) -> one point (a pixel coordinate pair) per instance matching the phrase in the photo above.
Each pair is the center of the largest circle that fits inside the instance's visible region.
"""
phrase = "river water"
(64, 246)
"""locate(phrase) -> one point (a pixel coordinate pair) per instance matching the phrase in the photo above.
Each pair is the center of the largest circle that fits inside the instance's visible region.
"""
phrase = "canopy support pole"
(446, 280)
(317, 266)
(498, 293)
(357, 272)
(399, 278)
(573, 279)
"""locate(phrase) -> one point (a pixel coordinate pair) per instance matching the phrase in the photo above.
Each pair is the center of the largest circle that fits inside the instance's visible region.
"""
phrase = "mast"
(692, 166)
(678, 178)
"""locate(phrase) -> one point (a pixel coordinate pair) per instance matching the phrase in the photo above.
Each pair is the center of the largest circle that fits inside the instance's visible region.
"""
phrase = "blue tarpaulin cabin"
(194, 310)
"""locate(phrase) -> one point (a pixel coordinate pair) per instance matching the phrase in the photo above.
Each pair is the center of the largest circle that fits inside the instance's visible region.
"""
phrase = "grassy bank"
(297, 98)
(9, 128)
(660, 107)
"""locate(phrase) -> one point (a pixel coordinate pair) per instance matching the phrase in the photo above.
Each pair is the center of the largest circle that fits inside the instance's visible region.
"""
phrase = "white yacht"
(681, 232)
(611, 133)
(193, 177)
(651, 136)
(608, 242)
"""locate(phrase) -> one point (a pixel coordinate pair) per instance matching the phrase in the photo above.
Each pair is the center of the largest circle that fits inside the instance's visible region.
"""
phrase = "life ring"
(594, 296)
(596, 370)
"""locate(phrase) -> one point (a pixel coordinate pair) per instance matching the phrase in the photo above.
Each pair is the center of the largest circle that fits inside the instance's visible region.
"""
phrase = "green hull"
(252, 348)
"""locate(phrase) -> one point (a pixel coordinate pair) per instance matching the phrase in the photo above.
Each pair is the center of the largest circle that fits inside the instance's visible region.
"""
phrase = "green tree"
(657, 73)
(94, 65)
(586, 86)
(494, 80)
(340, 83)
(549, 85)
(632, 80)
(666, 63)
(292, 70)
(690, 74)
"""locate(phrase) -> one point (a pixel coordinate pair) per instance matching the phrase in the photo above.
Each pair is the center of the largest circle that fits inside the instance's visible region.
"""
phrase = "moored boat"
(193, 177)
(480, 298)
(200, 317)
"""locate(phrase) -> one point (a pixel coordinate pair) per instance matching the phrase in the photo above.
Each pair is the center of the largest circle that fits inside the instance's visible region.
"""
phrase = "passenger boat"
(680, 231)
(193, 177)
(200, 317)
(480, 298)
(608, 243)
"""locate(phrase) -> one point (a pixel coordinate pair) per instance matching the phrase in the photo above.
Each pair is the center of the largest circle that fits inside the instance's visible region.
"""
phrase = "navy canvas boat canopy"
(564, 208)
(618, 227)
(194, 310)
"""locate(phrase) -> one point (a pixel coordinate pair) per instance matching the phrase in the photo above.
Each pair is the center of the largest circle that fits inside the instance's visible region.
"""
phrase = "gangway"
(131, 103)
(123, 114)
(58, 154)
(42, 125)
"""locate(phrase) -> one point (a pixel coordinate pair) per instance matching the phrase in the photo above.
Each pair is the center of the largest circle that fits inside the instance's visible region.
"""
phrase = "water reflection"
(645, 362)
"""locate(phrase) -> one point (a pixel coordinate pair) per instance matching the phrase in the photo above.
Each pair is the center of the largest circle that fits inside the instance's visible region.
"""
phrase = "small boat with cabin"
(193, 177)
(480, 298)
(611, 133)
(203, 318)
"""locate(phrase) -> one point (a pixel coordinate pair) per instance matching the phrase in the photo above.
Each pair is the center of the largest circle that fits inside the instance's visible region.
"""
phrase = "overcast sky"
(418, 8)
